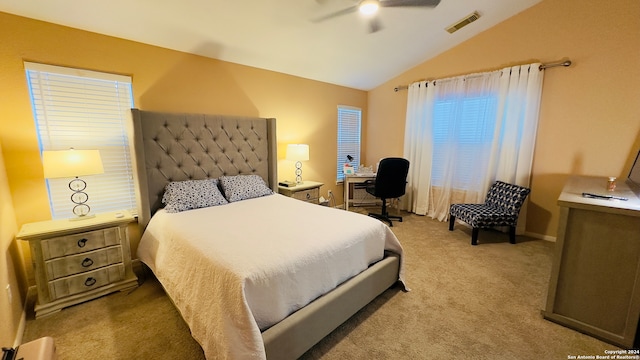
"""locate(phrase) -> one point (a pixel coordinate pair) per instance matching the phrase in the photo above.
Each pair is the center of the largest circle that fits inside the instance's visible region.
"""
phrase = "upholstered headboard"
(174, 147)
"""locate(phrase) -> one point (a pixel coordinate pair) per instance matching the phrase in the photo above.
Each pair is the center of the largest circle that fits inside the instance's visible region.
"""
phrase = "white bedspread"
(235, 269)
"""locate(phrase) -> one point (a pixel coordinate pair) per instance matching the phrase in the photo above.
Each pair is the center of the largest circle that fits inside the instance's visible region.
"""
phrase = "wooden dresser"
(595, 278)
(79, 260)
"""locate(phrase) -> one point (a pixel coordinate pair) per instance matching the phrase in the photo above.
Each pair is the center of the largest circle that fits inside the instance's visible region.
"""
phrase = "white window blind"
(349, 131)
(85, 110)
(463, 126)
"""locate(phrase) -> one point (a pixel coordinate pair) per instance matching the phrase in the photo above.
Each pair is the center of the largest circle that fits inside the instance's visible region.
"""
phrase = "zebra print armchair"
(501, 208)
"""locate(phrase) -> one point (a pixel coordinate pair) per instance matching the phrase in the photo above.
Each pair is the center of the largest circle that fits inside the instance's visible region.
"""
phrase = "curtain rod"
(564, 63)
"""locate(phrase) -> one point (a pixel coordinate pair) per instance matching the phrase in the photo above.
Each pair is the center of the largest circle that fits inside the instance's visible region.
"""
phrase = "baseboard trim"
(540, 236)
(21, 326)
(31, 291)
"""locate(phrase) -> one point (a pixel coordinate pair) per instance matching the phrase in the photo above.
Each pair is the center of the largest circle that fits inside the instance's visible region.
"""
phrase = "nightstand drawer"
(311, 195)
(79, 243)
(86, 281)
(75, 264)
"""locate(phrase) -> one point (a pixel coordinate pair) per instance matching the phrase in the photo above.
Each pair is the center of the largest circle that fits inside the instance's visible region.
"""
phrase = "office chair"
(390, 183)
(501, 208)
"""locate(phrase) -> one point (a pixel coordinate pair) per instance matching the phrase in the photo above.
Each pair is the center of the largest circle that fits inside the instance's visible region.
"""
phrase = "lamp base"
(79, 197)
(298, 173)
(83, 217)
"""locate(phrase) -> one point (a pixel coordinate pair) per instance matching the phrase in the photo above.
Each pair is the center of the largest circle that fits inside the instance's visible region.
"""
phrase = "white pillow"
(192, 194)
(242, 187)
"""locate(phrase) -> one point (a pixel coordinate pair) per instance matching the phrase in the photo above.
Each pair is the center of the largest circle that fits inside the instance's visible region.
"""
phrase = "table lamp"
(73, 163)
(298, 153)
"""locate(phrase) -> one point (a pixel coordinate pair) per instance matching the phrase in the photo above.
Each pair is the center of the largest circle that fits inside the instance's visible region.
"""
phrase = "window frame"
(89, 110)
(349, 138)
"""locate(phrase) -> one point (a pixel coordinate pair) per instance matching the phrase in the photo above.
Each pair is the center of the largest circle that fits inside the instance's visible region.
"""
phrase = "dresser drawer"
(311, 195)
(75, 264)
(76, 284)
(79, 243)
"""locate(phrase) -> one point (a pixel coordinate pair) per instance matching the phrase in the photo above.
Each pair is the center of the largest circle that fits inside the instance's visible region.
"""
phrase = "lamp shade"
(71, 163)
(298, 152)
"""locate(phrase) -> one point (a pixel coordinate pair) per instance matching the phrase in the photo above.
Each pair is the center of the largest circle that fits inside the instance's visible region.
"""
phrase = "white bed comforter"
(235, 269)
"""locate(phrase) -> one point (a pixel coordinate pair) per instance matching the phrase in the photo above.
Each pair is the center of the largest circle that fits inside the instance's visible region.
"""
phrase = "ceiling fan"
(370, 8)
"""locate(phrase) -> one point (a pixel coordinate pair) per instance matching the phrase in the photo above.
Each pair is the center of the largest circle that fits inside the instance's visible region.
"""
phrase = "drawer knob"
(87, 262)
(82, 242)
(90, 281)
(308, 196)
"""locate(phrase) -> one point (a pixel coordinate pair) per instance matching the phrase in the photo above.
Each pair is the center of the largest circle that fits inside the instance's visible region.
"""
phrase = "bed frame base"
(300, 331)
(154, 136)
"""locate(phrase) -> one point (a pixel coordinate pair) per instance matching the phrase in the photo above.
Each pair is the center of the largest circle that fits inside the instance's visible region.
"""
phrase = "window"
(349, 129)
(463, 126)
(85, 110)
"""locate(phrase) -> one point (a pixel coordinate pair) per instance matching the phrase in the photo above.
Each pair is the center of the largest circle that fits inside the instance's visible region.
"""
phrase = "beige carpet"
(480, 302)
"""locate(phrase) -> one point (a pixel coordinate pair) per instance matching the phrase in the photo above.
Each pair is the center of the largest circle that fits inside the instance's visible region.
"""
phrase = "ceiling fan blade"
(336, 14)
(374, 25)
(408, 3)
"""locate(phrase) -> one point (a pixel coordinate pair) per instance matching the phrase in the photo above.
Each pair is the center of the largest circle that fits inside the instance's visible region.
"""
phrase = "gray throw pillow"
(242, 187)
(192, 194)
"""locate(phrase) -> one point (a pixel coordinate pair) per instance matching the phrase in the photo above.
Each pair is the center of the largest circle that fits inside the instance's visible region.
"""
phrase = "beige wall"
(163, 80)
(590, 112)
(11, 268)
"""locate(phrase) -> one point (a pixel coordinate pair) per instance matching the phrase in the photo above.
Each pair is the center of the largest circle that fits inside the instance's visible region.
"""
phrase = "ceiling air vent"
(464, 22)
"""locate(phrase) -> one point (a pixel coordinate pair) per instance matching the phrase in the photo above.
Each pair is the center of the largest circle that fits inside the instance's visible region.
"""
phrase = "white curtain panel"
(418, 147)
(464, 133)
(521, 89)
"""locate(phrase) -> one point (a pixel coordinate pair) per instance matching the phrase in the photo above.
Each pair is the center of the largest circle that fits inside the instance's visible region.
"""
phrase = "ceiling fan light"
(368, 7)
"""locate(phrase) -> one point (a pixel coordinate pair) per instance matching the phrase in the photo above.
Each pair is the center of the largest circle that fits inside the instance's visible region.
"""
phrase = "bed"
(227, 267)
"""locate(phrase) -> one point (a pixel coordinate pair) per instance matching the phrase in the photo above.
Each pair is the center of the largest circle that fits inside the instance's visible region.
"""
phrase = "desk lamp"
(298, 153)
(73, 163)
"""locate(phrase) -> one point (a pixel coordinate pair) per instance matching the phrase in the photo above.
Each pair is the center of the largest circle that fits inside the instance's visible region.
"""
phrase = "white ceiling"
(279, 35)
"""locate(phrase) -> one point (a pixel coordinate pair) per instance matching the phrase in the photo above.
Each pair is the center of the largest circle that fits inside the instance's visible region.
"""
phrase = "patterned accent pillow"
(243, 187)
(192, 194)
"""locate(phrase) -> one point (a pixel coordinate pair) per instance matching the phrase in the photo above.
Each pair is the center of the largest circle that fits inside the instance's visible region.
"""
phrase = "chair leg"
(384, 215)
(512, 234)
(382, 218)
(452, 220)
(399, 218)
(395, 217)
(474, 236)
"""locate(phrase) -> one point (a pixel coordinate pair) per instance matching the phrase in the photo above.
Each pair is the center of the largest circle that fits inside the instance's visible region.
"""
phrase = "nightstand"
(79, 260)
(308, 191)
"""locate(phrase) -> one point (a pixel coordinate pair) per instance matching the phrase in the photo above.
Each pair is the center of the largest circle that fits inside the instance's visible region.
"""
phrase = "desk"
(595, 273)
(349, 180)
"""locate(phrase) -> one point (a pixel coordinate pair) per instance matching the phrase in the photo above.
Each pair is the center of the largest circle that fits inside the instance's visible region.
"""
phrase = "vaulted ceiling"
(280, 35)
